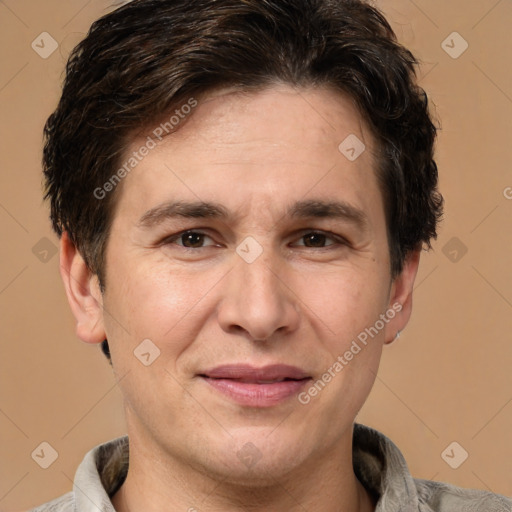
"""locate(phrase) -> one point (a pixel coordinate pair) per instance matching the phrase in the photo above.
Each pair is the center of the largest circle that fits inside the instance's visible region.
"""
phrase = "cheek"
(154, 300)
(351, 307)
(346, 302)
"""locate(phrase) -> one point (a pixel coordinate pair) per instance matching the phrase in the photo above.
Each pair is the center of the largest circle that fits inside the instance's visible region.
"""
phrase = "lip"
(256, 387)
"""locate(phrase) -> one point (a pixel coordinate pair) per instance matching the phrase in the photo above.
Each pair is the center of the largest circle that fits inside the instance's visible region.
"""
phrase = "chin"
(256, 457)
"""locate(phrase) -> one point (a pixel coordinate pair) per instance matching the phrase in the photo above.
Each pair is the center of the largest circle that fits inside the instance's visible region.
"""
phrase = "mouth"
(256, 387)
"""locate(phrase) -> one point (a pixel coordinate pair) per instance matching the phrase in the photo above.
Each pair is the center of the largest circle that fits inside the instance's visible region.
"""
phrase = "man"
(242, 190)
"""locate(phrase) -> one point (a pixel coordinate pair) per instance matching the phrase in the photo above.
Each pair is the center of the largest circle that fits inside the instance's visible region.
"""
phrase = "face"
(251, 254)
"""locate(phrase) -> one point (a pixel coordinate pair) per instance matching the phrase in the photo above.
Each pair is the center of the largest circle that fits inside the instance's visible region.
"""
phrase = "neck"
(156, 483)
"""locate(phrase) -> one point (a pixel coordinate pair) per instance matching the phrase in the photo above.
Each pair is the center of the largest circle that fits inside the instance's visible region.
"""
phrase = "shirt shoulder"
(99, 475)
(65, 503)
(381, 468)
(444, 497)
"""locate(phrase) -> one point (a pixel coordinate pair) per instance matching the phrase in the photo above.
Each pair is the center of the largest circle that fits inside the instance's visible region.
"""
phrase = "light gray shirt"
(378, 464)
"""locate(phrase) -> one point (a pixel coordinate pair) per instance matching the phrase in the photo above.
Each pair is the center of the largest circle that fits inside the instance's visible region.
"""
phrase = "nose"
(258, 301)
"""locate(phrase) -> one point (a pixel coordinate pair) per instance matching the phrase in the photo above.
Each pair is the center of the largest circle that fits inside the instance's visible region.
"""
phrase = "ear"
(400, 298)
(83, 292)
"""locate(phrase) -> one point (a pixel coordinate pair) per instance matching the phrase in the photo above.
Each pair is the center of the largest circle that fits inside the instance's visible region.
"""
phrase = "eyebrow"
(194, 210)
(299, 210)
(329, 209)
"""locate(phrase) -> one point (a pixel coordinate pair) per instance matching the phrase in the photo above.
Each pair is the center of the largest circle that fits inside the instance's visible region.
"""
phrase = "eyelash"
(172, 239)
(336, 240)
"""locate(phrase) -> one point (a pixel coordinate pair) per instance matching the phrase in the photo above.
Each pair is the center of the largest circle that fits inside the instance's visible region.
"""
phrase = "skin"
(256, 155)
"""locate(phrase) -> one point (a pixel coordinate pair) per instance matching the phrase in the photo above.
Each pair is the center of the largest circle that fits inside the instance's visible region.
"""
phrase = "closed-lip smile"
(256, 386)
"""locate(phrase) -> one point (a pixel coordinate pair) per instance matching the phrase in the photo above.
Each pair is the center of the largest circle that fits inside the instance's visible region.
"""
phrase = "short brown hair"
(149, 56)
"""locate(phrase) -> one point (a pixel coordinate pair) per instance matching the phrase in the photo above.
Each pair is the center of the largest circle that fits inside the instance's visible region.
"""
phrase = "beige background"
(448, 377)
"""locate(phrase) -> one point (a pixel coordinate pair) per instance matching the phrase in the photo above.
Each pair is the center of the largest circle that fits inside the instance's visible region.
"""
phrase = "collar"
(378, 464)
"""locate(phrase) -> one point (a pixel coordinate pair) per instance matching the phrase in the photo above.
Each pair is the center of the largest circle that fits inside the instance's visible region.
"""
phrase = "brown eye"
(319, 240)
(189, 239)
(315, 240)
(192, 239)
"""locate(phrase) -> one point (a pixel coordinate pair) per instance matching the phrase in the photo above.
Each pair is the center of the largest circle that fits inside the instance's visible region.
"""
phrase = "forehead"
(272, 146)
(280, 116)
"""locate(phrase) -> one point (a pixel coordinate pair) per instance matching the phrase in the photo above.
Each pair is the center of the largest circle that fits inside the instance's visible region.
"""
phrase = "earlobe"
(401, 296)
(83, 292)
